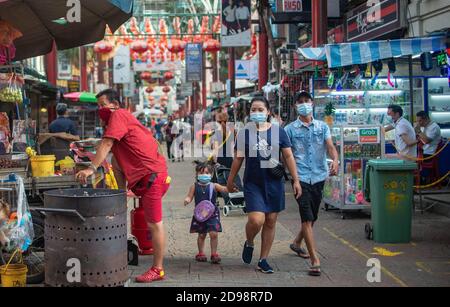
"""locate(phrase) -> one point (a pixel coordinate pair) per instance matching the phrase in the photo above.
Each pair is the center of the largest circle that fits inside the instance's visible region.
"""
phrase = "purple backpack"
(205, 209)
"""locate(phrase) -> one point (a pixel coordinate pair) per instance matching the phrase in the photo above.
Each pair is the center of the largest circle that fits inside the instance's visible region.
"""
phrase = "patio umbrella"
(43, 22)
(81, 97)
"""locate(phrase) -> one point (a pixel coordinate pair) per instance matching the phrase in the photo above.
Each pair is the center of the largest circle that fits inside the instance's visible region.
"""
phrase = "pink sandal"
(215, 259)
(200, 257)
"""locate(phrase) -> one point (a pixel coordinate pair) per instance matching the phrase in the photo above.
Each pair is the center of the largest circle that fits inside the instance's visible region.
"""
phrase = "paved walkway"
(341, 243)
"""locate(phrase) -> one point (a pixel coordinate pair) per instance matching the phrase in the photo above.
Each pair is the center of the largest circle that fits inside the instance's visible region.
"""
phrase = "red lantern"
(139, 46)
(176, 46)
(168, 75)
(146, 76)
(212, 45)
(149, 90)
(166, 89)
(103, 47)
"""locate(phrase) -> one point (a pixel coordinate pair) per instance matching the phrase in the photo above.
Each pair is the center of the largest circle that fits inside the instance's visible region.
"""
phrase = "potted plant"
(330, 110)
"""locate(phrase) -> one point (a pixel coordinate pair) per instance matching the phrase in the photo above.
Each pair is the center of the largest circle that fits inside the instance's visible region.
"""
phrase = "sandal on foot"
(299, 251)
(200, 257)
(215, 259)
(314, 271)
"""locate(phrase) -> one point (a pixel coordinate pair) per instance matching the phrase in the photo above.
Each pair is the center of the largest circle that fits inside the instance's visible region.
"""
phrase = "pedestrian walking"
(311, 141)
(136, 152)
(169, 139)
(260, 144)
(204, 190)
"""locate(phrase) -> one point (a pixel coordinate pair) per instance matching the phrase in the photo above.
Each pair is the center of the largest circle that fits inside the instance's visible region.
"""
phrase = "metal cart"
(356, 144)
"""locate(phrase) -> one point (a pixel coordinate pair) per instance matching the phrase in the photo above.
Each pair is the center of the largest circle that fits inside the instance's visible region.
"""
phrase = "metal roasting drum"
(86, 227)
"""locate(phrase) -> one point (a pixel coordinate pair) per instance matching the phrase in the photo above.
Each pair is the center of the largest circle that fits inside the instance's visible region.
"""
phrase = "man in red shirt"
(136, 151)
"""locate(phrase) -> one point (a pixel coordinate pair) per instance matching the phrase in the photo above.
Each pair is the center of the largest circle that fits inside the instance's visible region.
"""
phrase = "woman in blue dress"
(261, 145)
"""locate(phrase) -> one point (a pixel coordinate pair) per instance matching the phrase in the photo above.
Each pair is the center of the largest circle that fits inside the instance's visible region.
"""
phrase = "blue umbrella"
(43, 22)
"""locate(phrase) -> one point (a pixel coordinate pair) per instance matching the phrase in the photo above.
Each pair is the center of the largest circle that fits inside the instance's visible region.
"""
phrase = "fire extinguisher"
(140, 230)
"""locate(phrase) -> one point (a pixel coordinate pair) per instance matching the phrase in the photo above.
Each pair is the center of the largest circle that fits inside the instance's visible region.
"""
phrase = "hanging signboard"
(296, 11)
(373, 19)
(369, 135)
(122, 65)
(64, 66)
(167, 65)
(292, 5)
(247, 69)
(194, 62)
(236, 23)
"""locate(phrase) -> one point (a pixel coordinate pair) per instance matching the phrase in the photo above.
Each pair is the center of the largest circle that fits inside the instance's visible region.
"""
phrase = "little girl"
(201, 191)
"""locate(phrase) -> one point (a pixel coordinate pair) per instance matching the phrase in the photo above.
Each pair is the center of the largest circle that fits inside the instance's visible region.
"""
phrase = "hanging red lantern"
(139, 46)
(168, 75)
(103, 47)
(149, 90)
(166, 89)
(176, 46)
(212, 45)
(146, 76)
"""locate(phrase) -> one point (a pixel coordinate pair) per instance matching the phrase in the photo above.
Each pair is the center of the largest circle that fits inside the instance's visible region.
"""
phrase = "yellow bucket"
(43, 166)
(14, 275)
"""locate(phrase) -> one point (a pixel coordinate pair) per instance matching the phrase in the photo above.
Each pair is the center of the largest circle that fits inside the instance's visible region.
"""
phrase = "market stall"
(82, 108)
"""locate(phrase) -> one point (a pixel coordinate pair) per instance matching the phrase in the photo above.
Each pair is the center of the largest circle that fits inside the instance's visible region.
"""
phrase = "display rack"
(365, 102)
(439, 103)
(356, 144)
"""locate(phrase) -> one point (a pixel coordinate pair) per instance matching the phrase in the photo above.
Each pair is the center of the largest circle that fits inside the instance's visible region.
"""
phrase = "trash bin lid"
(390, 164)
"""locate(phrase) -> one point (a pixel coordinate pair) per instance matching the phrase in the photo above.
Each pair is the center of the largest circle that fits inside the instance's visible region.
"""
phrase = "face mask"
(258, 117)
(304, 109)
(204, 178)
(105, 114)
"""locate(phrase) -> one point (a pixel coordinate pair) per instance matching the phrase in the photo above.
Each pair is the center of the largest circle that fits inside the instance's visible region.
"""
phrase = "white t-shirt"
(230, 14)
(433, 132)
(404, 127)
(242, 13)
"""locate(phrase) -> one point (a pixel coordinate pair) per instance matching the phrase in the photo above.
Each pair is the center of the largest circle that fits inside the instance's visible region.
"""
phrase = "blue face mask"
(258, 117)
(304, 109)
(204, 178)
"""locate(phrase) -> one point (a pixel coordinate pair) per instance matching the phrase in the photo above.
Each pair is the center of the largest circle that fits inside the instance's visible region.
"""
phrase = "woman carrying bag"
(261, 145)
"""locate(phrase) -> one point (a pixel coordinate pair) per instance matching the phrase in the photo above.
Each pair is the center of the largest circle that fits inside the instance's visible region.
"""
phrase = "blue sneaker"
(247, 253)
(264, 267)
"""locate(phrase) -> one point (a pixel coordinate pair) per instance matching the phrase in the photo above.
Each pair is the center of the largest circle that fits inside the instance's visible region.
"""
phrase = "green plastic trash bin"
(389, 188)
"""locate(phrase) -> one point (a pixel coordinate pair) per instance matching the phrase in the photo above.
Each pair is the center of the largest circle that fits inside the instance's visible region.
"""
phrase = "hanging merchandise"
(330, 79)
(11, 88)
(426, 61)
(392, 70)
(378, 66)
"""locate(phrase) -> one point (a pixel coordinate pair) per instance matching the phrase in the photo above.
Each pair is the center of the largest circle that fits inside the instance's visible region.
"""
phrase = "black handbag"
(277, 169)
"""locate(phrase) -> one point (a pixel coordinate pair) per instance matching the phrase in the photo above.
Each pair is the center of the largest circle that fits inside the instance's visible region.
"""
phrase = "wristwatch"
(93, 167)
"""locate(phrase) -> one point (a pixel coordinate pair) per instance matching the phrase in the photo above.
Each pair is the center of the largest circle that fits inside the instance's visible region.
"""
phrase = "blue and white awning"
(339, 55)
(315, 54)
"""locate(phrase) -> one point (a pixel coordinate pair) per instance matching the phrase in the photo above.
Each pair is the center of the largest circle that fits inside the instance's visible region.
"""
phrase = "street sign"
(186, 90)
(292, 6)
(247, 69)
(122, 65)
(369, 135)
(194, 62)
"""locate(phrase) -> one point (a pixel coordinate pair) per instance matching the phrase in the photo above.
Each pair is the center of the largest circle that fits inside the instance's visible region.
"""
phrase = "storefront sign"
(194, 62)
(441, 59)
(247, 69)
(300, 11)
(373, 19)
(185, 90)
(236, 23)
(64, 66)
(139, 66)
(73, 86)
(122, 65)
(292, 5)
(369, 135)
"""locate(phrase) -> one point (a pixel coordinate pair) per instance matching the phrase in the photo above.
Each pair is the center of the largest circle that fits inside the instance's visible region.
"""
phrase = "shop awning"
(339, 55)
(314, 54)
(81, 97)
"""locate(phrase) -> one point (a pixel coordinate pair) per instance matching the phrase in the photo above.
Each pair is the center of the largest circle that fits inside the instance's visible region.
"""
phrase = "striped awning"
(314, 54)
(339, 55)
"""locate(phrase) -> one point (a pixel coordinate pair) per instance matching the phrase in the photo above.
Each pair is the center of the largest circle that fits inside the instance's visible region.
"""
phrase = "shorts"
(151, 198)
(309, 202)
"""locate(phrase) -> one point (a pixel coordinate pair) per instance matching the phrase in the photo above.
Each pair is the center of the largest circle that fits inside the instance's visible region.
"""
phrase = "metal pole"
(411, 88)
(263, 68)
(231, 71)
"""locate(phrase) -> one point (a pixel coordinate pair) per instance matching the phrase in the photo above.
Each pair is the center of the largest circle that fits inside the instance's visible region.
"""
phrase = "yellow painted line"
(358, 251)
(385, 252)
(422, 266)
